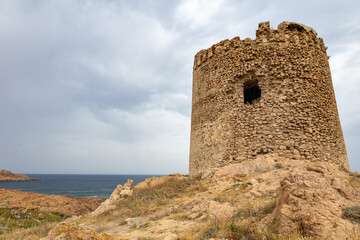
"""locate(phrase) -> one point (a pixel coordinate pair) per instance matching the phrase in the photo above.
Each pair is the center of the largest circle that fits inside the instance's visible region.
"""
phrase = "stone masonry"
(272, 95)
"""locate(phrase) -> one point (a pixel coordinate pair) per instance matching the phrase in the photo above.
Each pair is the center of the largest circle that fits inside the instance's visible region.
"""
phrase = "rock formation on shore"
(66, 205)
(7, 176)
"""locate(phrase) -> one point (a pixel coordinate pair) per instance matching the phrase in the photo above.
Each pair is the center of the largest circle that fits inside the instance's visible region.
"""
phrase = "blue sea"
(75, 185)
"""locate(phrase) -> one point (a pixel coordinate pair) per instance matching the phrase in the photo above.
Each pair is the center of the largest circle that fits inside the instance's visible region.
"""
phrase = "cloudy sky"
(105, 86)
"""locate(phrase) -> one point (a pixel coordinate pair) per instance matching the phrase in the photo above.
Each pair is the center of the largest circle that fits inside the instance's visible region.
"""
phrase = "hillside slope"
(269, 198)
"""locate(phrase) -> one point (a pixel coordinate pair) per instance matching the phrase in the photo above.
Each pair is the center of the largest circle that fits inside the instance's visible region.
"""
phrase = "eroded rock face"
(311, 196)
(312, 201)
(119, 193)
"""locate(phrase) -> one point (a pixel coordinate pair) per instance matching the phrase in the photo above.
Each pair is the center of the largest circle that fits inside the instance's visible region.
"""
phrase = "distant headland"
(7, 176)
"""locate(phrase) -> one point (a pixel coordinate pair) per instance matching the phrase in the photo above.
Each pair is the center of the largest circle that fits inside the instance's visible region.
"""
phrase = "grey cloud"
(105, 86)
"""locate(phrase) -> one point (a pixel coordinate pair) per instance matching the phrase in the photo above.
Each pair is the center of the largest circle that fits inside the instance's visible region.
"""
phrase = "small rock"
(253, 181)
(255, 193)
(220, 211)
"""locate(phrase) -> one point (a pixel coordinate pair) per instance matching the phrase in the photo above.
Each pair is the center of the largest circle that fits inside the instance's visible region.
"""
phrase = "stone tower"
(271, 95)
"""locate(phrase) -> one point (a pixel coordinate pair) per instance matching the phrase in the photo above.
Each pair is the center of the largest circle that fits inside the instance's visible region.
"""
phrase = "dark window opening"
(251, 92)
(295, 27)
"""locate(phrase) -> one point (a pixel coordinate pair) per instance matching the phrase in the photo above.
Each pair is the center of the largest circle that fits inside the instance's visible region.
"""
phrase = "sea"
(74, 185)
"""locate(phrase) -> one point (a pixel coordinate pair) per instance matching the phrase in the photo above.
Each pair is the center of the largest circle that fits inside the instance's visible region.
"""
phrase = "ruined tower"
(272, 95)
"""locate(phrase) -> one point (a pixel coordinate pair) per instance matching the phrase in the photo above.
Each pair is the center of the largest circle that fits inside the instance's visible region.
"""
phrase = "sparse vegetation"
(279, 166)
(355, 180)
(151, 201)
(241, 177)
(180, 216)
(268, 208)
(352, 213)
(181, 206)
(13, 219)
(245, 231)
(37, 232)
(122, 223)
(155, 203)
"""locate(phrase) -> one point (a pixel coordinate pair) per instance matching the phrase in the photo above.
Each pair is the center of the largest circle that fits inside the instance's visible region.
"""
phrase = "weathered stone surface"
(260, 164)
(294, 115)
(220, 211)
(313, 202)
(313, 197)
(119, 193)
(64, 231)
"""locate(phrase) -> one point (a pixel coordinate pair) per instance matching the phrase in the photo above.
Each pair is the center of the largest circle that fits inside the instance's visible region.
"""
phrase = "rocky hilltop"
(7, 176)
(267, 198)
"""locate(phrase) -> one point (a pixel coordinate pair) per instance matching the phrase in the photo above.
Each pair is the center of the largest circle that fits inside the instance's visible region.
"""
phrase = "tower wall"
(296, 115)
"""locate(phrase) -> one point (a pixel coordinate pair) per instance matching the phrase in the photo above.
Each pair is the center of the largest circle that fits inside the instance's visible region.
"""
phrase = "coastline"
(20, 180)
(75, 185)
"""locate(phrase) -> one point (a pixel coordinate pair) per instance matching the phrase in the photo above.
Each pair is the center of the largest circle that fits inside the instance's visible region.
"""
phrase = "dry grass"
(243, 224)
(352, 213)
(235, 230)
(150, 201)
(180, 216)
(355, 180)
(28, 234)
(150, 206)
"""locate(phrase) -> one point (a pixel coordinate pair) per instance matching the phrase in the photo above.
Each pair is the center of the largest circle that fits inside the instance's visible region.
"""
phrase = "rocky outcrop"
(48, 203)
(7, 176)
(119, 193)
(312, 197)
(127, 190)
(312, 202)
(220, 211)
(64, 231)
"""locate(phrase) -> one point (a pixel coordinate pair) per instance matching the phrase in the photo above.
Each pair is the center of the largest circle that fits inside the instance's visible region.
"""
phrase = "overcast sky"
(105, 86)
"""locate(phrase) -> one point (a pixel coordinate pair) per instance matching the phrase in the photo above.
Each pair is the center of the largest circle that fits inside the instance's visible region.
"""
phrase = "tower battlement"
(272, 95)
(287, 33)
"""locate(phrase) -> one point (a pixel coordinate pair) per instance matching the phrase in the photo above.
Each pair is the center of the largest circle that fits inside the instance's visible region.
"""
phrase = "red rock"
(48, 203)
